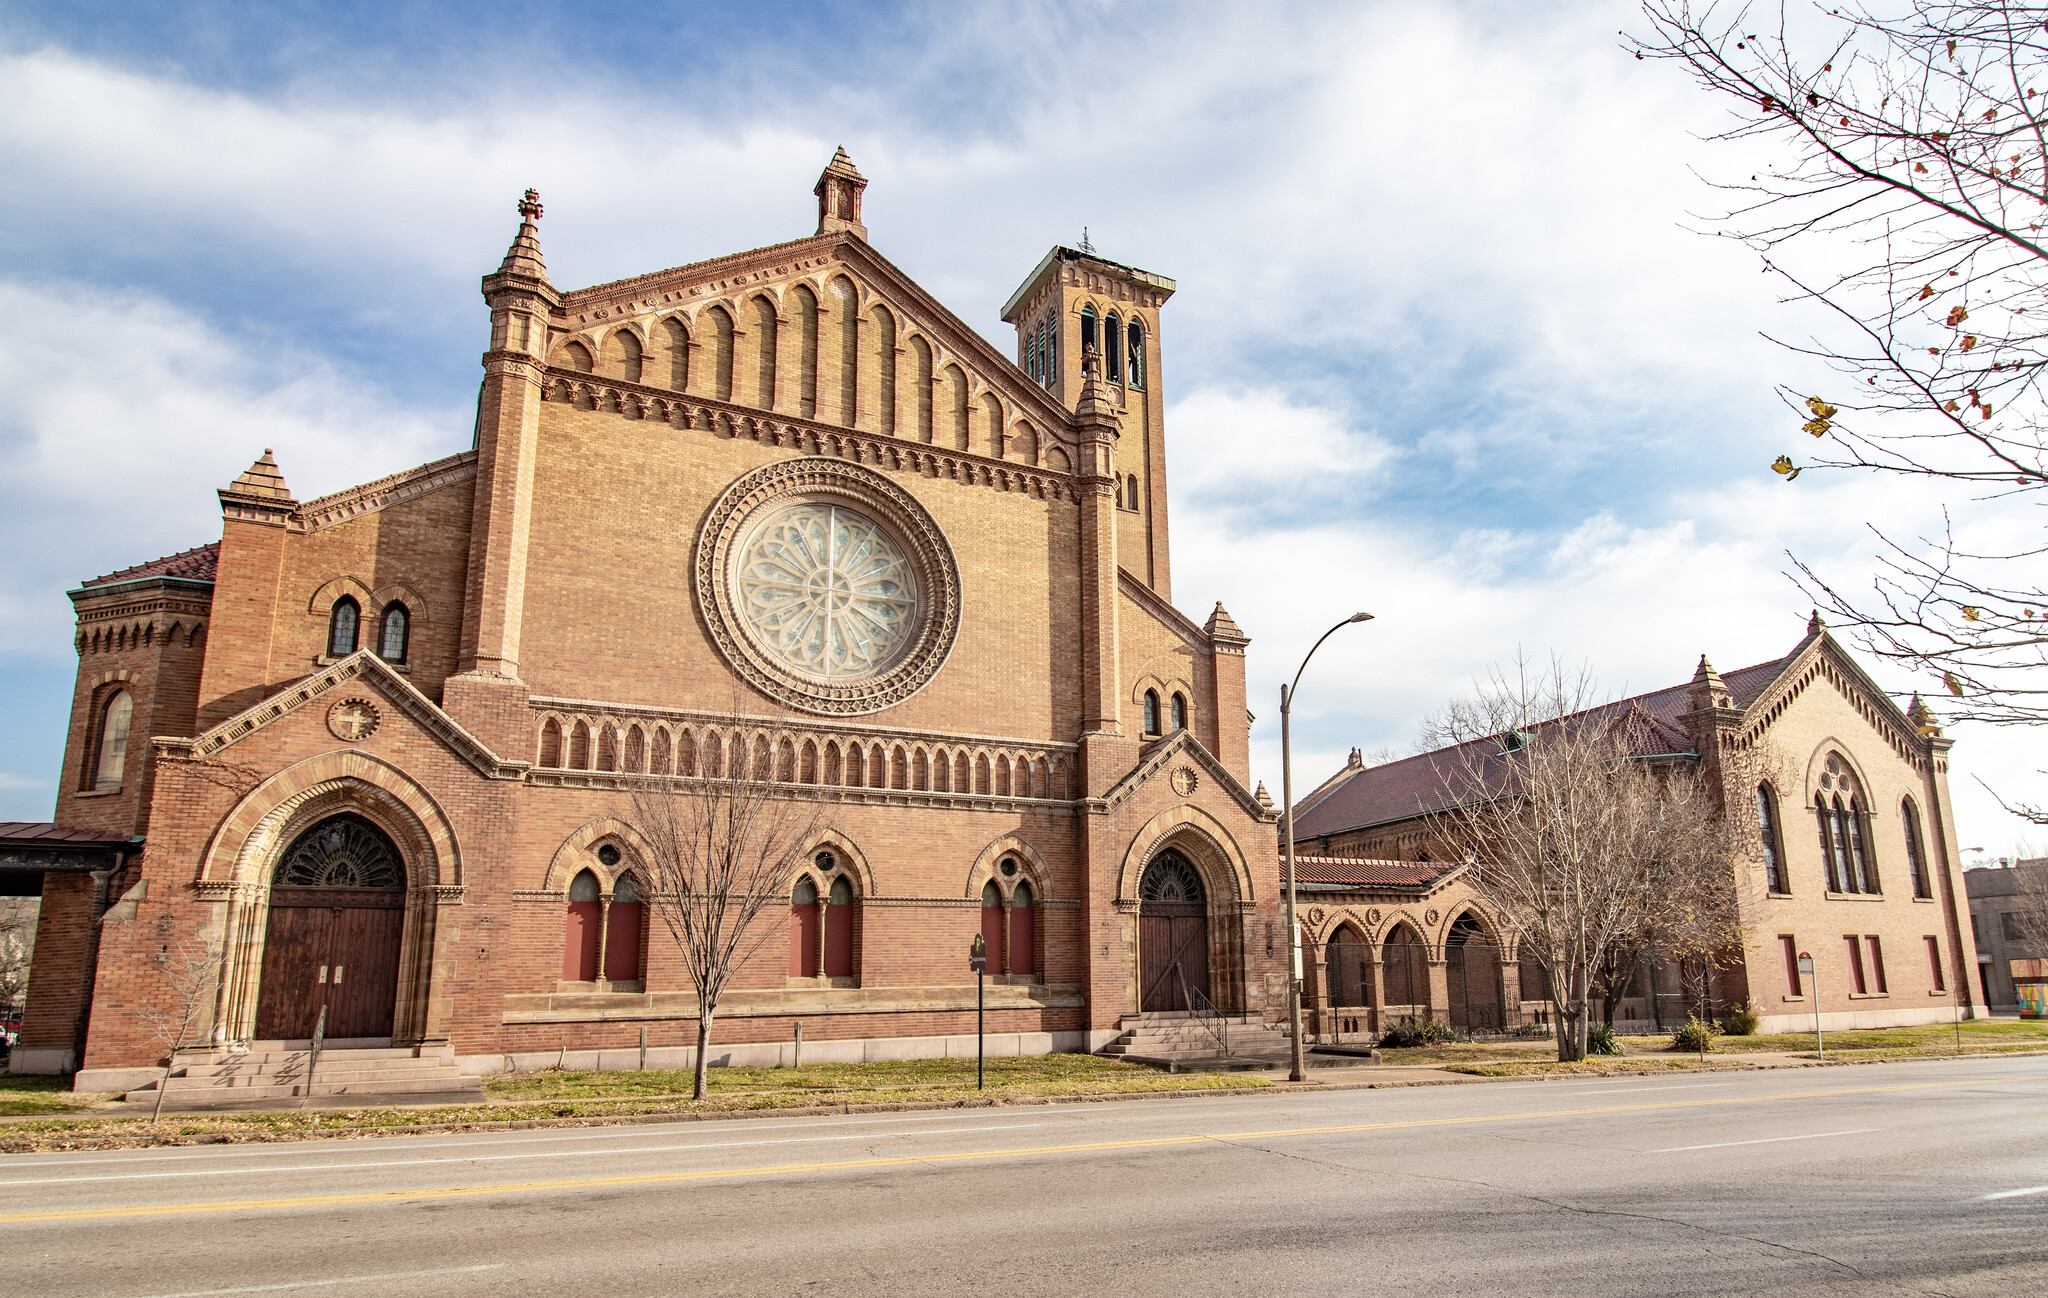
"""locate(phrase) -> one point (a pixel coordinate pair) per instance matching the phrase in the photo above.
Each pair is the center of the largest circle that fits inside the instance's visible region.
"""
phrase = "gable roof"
(196, 564)
(1414, 786)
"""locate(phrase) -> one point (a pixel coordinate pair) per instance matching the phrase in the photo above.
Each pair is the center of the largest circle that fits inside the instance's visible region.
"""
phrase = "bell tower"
(1076, 302)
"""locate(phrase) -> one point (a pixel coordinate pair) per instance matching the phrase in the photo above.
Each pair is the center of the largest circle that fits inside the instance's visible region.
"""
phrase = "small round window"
(608, 855)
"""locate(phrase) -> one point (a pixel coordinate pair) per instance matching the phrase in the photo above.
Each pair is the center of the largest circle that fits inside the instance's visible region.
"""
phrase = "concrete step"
(292, 1077)
(185, 1090)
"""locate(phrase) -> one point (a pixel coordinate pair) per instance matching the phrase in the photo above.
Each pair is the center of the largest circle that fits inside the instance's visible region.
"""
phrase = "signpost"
(977, 960)
(1806, 975)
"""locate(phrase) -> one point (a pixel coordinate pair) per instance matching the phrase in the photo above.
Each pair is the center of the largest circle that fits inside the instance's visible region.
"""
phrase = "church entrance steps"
(278, 1070)
(1180, 1042)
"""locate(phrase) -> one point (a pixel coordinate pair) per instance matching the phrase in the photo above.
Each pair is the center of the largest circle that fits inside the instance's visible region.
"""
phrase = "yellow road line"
(913, 1160)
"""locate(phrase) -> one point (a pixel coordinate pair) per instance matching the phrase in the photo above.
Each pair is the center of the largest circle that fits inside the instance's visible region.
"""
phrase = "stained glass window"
(827, 591)
(342, 852)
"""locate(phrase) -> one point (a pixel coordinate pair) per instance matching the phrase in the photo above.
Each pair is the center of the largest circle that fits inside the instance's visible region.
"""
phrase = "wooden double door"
(332, 949)
(1173, 954)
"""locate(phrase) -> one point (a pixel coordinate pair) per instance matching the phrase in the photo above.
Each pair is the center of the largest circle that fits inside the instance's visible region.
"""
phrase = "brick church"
(376, 748)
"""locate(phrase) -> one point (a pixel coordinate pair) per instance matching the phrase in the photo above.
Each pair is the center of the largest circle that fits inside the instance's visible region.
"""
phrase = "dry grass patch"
(570, 1098)
(1600, 1066)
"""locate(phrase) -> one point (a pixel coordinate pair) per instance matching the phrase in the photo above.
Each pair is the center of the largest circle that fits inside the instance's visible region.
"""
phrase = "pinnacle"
(262, 478)
(1222, 626)
(1814, 624)
(523, 257)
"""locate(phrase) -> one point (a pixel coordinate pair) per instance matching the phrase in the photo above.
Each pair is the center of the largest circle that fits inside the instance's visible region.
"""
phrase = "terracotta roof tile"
(1414, 786)
(196, 564)
(1395, 874)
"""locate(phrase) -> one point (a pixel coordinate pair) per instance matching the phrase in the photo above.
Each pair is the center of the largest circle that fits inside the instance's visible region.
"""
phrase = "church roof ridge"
(590, 290)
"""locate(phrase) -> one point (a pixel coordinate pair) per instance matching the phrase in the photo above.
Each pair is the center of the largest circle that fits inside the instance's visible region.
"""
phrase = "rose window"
(826, 591)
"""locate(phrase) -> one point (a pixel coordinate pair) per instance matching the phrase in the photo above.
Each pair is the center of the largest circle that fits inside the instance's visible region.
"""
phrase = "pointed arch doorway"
(337, 914)
(1173, 934)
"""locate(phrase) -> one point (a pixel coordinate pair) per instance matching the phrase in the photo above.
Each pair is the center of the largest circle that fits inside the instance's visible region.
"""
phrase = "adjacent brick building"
(1856, 863)
(782, 507)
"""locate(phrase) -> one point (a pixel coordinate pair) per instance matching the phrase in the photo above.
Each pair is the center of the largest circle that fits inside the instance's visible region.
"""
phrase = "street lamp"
(1294, 1072)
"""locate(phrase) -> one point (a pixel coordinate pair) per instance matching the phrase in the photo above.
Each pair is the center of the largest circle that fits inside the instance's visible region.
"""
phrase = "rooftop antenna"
(1086, 246)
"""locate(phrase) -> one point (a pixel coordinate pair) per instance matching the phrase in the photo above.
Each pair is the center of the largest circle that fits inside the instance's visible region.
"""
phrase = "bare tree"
(722, 847)
(1582, 846)
(1908, 174)
(179, 1011)
(17, 947)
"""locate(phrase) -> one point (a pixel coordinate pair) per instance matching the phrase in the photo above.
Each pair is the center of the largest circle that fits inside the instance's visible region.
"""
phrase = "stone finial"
(1924, 721)
(1264, 798)
(1222, 627)
(1814, 624)
(261, 480)
(523, 257)
(839, 191)
(1355, 762)
(1093, 408)
(1708, 690)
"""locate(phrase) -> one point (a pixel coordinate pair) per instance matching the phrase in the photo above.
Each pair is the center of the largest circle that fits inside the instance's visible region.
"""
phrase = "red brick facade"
(571, 634)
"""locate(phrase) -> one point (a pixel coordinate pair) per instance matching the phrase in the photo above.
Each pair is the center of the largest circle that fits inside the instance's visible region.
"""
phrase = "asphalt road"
(1905, 1178)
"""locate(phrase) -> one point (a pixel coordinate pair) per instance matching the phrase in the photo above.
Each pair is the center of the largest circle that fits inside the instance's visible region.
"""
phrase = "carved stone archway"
(235, 874)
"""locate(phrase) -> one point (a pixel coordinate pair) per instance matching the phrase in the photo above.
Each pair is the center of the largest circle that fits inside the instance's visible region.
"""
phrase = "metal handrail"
(1202, 1011)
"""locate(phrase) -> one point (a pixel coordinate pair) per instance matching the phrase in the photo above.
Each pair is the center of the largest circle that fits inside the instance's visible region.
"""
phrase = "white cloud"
(1434, 284)
(121, 414)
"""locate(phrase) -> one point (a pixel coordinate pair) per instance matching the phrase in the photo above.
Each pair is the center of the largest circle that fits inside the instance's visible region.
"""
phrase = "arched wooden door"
(337, 913)
(1173, 934)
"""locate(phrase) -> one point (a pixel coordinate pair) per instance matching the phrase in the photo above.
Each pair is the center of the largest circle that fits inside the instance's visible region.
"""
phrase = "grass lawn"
(1928, 1037)
(602, 1097)
(21, 1095)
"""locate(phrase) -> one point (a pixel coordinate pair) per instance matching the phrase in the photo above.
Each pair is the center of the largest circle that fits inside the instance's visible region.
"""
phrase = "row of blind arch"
(877, 765)
(1848, 854)
(767, 378)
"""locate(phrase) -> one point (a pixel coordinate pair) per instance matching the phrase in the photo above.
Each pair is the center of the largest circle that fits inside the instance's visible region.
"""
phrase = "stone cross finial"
(529, 206)
(1091, 363)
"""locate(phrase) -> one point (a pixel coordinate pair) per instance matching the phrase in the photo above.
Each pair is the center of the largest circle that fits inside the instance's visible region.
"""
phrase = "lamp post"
(1294, 1070)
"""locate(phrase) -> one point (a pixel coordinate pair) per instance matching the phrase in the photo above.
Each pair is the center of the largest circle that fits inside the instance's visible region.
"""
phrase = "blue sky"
(1443, 347)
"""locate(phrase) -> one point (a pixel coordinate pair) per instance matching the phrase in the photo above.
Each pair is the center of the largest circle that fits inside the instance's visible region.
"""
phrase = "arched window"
(115, 719)
(839, 926)
(1113, 363)
(623, 924)
(992, 926)
(1860, 850)
(1029, 360)
(1134, 362)
(630, 355)
(1151, 711)
(341, 627)
(580, 937)
(550, 743)
(397, 630)
(1346, 954)
(803, 929)
(1089, 342)
(1023, 930)
(1131, 493)
(722, 342)
(1846, 856)
(1916, 852)
(1773, 844)
(1180, 713)
(1831, 867)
